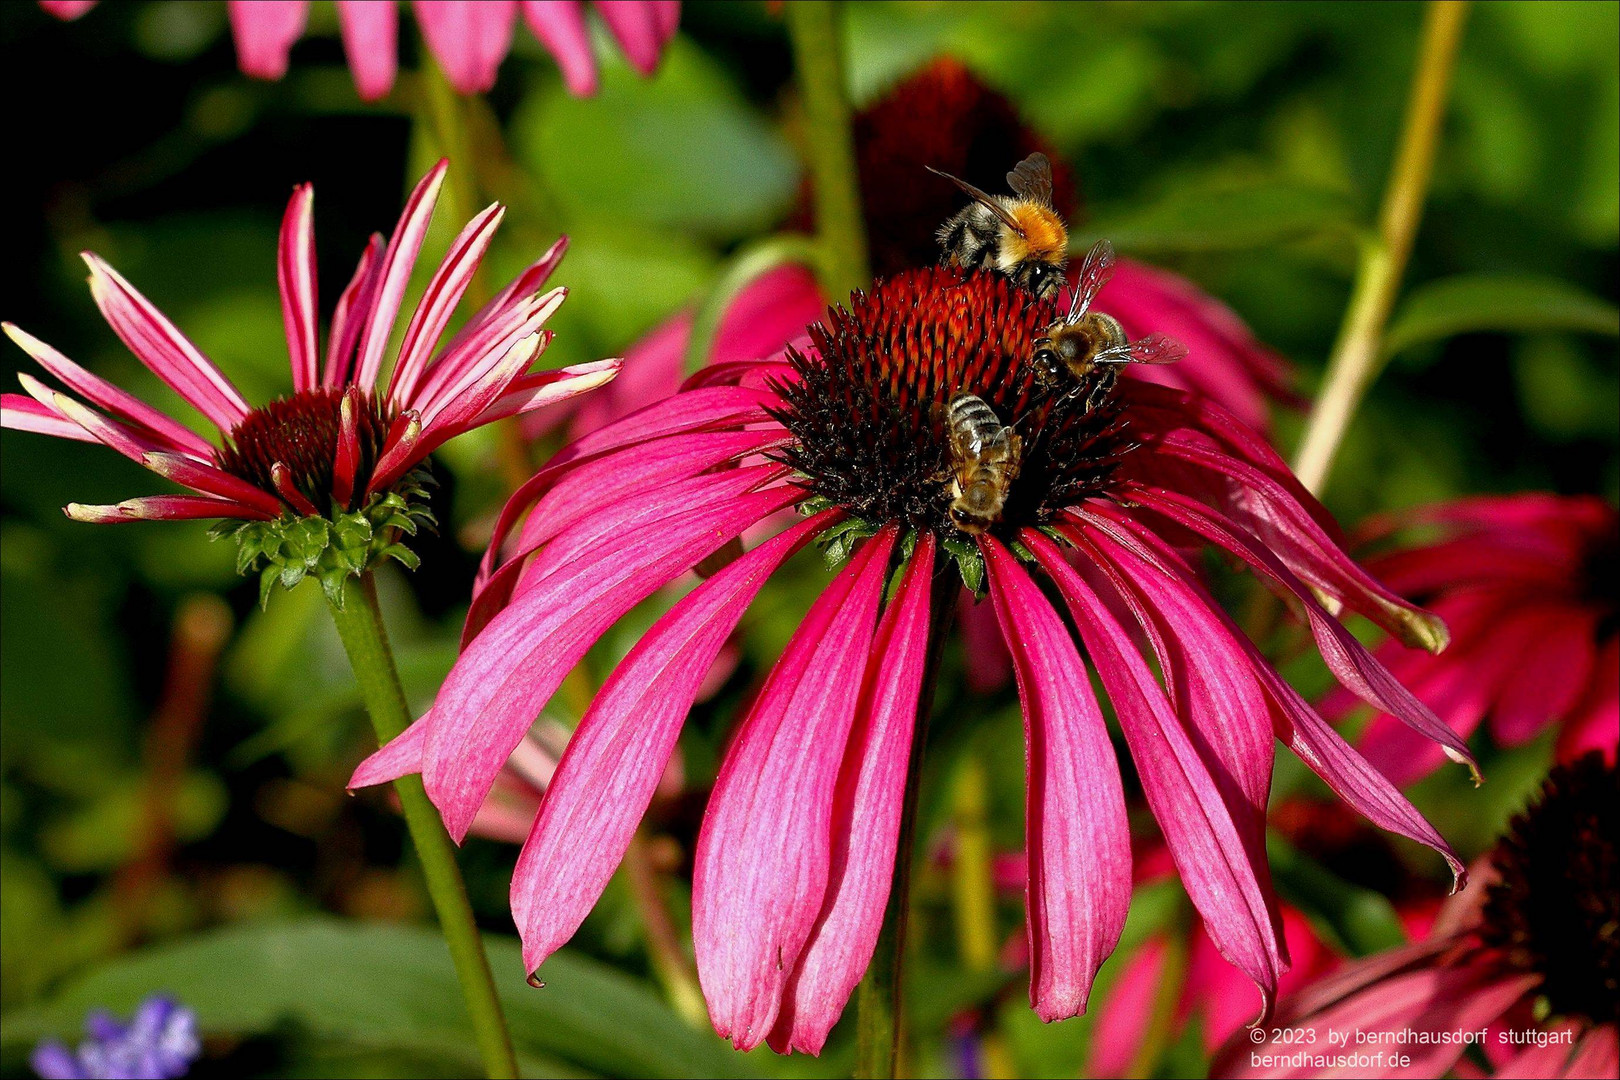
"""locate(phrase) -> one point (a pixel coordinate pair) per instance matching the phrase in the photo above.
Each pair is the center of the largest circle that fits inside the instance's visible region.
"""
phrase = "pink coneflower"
(796, 852)
(1528, 584)
(1520, 973)
(468, 38)
(329, 468)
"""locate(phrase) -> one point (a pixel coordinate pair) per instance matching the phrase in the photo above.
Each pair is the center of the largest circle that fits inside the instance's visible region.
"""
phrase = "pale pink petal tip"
(265, 31)
(67, 10)
(370, 42)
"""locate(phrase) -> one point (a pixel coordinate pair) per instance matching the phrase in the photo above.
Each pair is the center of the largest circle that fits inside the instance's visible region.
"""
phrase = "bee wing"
(1095, 270)
(983, 198)
(1032, 178)
(1153, 349)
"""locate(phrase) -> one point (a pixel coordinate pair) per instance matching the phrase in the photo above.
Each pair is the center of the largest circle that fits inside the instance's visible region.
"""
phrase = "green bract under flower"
(333, 549)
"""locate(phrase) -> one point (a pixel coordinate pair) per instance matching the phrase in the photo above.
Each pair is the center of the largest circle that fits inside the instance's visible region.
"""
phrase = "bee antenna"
(983, 198)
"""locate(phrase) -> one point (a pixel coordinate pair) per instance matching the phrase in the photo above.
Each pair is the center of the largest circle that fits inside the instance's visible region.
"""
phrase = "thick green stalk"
(360, 625)
(818, 55)
(1358, 353)
(880, 998)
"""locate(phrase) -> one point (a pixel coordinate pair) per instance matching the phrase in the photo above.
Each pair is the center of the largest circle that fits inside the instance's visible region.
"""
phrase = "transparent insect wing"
(1032, 179)
(1095, 270)
(1153, 349)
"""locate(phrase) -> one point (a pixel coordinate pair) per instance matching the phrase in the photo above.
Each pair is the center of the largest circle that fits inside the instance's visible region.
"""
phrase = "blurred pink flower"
(468, 38)
(1527, 584)
(797, 848)
(343, 435)
(1522, 966)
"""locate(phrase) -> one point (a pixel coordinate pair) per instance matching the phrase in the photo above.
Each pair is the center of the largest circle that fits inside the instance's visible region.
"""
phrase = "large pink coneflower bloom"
(343, 445)
(796, 852)
(1519, 976)
(1530, 586)
(468, 38)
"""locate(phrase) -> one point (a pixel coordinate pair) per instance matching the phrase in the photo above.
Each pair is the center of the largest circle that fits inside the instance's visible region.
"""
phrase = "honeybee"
(985, 458)
(1071, 349)
(1019, 234)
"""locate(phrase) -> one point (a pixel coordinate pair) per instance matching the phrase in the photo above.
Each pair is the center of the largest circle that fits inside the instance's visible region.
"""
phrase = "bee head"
(1039, 278)
(1046, 365)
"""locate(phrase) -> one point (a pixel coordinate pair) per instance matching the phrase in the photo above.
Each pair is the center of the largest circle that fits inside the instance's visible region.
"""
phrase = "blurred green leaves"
(379, 986)
(1471, 303)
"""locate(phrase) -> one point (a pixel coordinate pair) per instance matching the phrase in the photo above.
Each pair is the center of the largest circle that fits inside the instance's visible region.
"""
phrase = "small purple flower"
(160, 1042)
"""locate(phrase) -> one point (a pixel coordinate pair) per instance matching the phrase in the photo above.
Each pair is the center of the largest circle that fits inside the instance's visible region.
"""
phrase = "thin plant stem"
(365, 639)
(1358, 352)
(670, 963)
(818, 56)
(880, 1021)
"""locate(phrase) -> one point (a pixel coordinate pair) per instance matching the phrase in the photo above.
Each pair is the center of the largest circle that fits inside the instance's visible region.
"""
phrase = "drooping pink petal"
(764, 853)
(399, 756)
(636, 26)
(295, 275)
(1126, 1013)
(1079, 843)
(1349, 660)
(109, 398)
(611, 766)
(348, 318)
(1315, 741)
(371, 44)
(1536, 1062)
(1212, 837)
(866, 818)
(22, 413)
(158, 344)
(444, 291)
(264, 31)
(163, 508)
(668, 16)
(1596, 721)
(560, 26)
(1596, 1056)
(469, 38)
(511, 669)
(1547, 681)
(987, 665)
(393, 275)
(205, 478)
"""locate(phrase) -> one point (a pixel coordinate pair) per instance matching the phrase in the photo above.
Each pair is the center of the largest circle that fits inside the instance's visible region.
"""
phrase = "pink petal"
(560, 26)
(1316, 743)
(348, 318)
(295, 274)
(67, 10)
(764, 853)
(1536, 1062)
(612, 765)
(469, 38)
(1214, 839)
(163, 507)
(444, 291)
(376, 322)
(984, 652)
(22, 413)
(1596, 1056)
(1349, 660)
(866, 818)
(371, 43)
(667, 13)
(1596, 723)
(470, 357)
(164, 349)
(265, 31)
(637, 28)
(512, 668)
(1548, 679)
(400, 756)
(1079, 843)
(104, 395)
(544, 388)
(1124, 1017)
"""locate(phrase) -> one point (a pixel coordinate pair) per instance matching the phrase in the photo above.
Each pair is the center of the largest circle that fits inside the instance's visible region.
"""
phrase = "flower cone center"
(301, 432)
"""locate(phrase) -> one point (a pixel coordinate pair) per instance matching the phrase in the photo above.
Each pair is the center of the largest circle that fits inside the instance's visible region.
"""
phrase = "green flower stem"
(880, 998)
(360, 625)
(1358, 352)
(752, 261)
(818, 55)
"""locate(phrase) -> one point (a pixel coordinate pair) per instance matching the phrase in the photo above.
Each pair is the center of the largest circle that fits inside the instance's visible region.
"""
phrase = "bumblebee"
(1019, 234)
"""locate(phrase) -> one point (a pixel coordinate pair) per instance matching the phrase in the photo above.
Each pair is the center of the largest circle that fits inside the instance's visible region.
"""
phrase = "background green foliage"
(1241, 145)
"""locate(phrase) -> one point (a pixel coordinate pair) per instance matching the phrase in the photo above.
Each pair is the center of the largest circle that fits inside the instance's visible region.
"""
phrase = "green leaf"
(378, 985)
(1220, 217)
(1470, 303)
